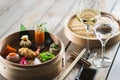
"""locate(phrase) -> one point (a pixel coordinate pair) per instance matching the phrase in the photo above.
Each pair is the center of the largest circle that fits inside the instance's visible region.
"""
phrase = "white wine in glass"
(88, 17)
(88, 13)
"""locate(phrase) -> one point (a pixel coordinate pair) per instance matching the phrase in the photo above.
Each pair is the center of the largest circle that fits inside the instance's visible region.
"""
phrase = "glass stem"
(87, 30)
(103, 51)
(87, 41)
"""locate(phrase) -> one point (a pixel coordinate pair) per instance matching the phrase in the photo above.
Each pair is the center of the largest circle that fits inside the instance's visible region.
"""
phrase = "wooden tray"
(76, 33)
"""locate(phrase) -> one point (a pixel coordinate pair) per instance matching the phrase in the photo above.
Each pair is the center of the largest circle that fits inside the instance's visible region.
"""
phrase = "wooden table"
(54, 13)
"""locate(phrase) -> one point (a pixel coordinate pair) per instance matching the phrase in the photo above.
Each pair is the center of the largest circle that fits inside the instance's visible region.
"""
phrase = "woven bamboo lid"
(75, 32)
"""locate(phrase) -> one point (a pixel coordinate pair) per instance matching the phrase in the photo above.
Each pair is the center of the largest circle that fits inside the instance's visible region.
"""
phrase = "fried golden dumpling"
(26, 52)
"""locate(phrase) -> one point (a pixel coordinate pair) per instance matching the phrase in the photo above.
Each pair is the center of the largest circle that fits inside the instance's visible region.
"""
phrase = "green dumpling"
(45, 56)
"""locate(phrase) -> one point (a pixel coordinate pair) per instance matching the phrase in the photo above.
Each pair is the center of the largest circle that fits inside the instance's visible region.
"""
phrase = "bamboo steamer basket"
(45, 71)
(76, 33)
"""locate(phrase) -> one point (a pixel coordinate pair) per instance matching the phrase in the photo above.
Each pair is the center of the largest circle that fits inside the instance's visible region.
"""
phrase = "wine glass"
(104, 29)
(88, 13)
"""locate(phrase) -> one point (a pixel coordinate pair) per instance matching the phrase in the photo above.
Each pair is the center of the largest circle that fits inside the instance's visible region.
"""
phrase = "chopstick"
(82, 60)
(72, 65)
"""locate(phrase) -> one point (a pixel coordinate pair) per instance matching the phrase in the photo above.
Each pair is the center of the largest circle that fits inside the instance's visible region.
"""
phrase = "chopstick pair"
(84, 63)
(72, 65)
(82, 60)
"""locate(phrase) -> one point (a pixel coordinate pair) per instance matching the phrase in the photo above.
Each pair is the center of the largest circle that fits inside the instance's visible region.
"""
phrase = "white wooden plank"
(54, 16)
(115, 70)
(109, 5)
(35, 15)
(116, 10)
(5, 5)
(14, 13)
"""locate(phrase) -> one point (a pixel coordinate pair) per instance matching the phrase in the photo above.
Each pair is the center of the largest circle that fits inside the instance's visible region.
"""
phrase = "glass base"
(89, 54)
(102, 63)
